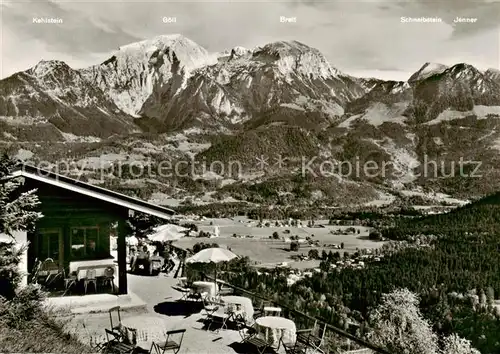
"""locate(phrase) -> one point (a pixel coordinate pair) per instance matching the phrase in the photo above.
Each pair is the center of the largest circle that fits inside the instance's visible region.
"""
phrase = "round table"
(273, 328)
(243, 306)
(205, 287)
(144, 329)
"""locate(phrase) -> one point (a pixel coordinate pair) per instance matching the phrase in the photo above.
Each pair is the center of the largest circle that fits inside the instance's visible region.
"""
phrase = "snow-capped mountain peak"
(189, 54)
(130, 76)
(463, 67)
(45, 67)
(239, 52)
(428, 70)
(161, 39)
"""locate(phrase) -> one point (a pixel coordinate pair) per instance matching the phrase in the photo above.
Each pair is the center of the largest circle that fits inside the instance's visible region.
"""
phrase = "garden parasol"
(212, 255)
(168, 232)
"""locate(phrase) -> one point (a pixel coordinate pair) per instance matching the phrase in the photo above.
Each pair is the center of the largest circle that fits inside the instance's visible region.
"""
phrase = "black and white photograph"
(250, 177)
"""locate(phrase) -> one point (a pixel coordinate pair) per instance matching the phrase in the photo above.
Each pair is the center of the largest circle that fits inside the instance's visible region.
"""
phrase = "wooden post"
(122, 257)
(61, 249)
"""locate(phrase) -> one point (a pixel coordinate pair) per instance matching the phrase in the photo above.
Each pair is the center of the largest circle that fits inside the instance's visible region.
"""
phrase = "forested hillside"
(480, 216)
(455, 269)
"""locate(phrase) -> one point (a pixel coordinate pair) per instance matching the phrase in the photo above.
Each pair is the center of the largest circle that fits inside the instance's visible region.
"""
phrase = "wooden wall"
(63, 209)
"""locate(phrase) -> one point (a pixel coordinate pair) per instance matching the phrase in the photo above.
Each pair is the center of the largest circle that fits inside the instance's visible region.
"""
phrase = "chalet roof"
(90, 190)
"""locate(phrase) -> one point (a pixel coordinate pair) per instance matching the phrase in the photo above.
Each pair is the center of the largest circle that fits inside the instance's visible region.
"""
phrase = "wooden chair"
(118, 325)
(260, 344)
(219, 317)
(246, 331)
(294, 348)
(169, 344)
(90, 278)
(311, 338)
(48, 264)
(272, 311)
(224, 290)
(210, 306)
(46, 270)
(259, 312)
(115, 344)
(94, 344)
(70, 281)
(109, 278)
(184, 291)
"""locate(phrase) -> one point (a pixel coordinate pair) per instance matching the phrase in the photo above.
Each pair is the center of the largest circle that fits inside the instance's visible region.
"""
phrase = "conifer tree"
(17, 209)
(17, 213)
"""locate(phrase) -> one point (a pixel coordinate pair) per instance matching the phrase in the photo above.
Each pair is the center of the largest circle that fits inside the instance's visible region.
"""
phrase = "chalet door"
(51, 245)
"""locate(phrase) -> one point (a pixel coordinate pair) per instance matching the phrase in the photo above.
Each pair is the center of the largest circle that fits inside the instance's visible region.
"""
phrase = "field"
(268, 252)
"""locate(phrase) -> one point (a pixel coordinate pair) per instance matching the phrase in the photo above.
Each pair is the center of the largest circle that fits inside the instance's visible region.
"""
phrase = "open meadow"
(265, 251)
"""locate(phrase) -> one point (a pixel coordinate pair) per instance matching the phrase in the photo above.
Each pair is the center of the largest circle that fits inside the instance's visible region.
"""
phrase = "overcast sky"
(362, 38)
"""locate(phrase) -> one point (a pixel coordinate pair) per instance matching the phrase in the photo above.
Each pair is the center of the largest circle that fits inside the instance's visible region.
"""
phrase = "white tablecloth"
(99, 265)
(205, 286)
(182, 281)
(144, 329)
(243, 304)
(101, 262)
(272, 329)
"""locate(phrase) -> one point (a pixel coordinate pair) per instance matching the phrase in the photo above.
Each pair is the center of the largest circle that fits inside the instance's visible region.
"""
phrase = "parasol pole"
(215, 280)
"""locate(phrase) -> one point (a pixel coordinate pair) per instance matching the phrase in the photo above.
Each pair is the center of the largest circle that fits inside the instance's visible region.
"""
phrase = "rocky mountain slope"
(282, 98)
(141, 69)
(51, 93)
(257, 85)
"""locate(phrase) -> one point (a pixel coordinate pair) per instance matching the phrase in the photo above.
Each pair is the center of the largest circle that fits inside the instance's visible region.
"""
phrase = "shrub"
(375, 235)
(201, 246)
(313, 254)
(43, 335)
(23, 308)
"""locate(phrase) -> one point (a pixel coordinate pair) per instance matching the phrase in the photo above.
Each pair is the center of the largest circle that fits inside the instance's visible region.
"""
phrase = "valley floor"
(269, 252)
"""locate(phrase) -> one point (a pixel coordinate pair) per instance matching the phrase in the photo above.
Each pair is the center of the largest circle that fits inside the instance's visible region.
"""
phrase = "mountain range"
(281, 98)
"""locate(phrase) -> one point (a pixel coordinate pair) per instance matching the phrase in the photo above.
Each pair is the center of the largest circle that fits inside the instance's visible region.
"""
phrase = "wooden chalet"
(77, 221)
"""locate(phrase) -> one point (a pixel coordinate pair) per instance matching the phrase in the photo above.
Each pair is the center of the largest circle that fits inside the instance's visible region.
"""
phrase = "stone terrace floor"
(157, 292)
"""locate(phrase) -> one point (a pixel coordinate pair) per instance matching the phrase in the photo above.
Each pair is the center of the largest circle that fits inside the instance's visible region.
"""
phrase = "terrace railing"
(336, 340)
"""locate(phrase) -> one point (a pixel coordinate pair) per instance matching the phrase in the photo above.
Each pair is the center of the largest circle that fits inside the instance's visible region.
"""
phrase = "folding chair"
(210, 306)
(96, 346)
(119, 324)
(174, 346)
(245, 331)
(45, 270)
(293, 348)
(310, 338)
(116, 345)
(185, 292)
(195, 295)
(70, 281)
(220, 316)
(224, 290)
(260, 344)
(53, 278)
(259, 312)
